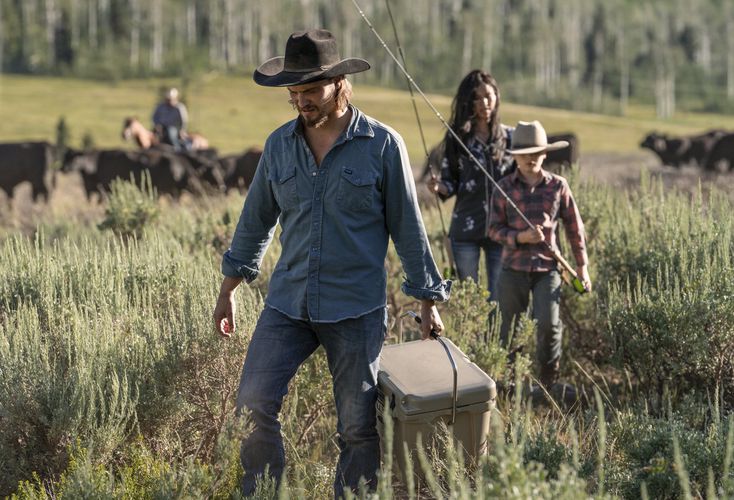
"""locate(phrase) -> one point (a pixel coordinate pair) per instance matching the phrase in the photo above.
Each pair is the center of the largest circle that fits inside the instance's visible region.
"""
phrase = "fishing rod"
(574, 279)
(445, 248)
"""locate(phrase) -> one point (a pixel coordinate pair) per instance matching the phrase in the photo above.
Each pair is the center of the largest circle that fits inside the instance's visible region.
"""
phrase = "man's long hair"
(343, 92)
(462, 117)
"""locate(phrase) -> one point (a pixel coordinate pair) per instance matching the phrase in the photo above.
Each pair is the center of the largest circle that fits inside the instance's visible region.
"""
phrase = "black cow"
(702, 144)
(672, 151)
(27, 162)
(239, 170)
(208, 168)
(721, 157)
(562, 157)
(169, 173)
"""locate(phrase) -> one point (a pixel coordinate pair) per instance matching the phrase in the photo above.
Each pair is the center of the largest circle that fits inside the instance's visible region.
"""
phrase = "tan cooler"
(417, 380)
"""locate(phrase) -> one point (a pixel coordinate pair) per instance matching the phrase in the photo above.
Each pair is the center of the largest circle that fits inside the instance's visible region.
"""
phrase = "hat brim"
(539, 149)
(271, 73)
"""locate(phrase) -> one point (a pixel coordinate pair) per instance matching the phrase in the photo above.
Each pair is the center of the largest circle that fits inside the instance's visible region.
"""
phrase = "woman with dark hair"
(475, 119)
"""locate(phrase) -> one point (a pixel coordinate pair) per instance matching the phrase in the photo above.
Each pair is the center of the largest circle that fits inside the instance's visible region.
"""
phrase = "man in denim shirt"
(339, 183)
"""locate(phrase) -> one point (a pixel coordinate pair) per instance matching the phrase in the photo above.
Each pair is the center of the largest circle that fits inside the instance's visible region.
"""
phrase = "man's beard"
(316, 121)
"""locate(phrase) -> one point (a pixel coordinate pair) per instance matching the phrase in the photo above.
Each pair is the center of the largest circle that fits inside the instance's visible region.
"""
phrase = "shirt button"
(313, 174)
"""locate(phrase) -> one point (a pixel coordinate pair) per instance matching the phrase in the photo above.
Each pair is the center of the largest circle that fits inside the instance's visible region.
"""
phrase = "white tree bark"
(156, 56)
(2, 37)
(468, 44)
(729, 55)
(135, 33)
(75, 21)
(92, 41)
(230, 35)
(191, 23)
(51, 22)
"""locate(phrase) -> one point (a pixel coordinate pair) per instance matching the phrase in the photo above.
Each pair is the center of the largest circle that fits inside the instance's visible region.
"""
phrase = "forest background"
(595, 55)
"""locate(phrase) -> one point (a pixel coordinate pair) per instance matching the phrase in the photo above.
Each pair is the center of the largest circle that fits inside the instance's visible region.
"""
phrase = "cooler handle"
(437, 336)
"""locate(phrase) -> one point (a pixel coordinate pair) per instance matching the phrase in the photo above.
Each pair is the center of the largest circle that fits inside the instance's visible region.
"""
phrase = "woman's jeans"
(466, 258)
(278, 347)
(514, 296)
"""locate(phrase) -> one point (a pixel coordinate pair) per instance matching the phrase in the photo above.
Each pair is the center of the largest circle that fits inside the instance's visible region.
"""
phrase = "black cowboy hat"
(309, 56)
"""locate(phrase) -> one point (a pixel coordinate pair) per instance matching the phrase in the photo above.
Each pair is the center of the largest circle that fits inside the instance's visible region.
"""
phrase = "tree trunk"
(489, 30)
(598, 75)
(135, 34)
(730, 57)
(264, 45)
(468, 45)
(51, 33)
(93, 42)
(624, 71)
(191, 24)
(2, 37)
(75, 20)
(156, 57)
(230, 35)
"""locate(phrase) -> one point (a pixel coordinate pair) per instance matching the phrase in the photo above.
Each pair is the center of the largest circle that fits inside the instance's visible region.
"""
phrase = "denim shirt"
(336, 219)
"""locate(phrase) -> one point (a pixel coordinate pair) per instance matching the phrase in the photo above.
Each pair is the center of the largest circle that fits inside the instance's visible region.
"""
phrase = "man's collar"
(358, 126)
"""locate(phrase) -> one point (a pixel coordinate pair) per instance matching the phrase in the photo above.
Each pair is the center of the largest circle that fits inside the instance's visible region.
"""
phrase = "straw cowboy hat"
(309, 56)
(530, 137)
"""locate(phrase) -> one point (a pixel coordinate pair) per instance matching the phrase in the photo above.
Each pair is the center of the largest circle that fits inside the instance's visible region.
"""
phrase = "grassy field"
(234, 113)
(114, 385)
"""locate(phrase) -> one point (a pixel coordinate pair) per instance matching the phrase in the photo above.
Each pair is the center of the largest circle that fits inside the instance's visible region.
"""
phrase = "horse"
(132, 129)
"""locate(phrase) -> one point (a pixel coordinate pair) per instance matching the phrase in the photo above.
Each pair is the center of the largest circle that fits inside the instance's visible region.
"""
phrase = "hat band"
(307, 70)
(525, 146)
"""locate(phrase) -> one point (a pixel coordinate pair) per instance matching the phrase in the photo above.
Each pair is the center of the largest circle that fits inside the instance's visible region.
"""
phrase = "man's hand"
(430, 319)
(436, 186)
(226, 307)
(583, 272)
(534, 235)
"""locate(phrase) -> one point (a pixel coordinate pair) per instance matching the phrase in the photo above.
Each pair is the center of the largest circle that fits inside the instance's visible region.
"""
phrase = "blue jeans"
(466, 258)
(278, 347)
(514, 296)
(172, 134)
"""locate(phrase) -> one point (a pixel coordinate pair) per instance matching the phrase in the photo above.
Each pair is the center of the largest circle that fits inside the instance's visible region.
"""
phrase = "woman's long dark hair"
(462, 115)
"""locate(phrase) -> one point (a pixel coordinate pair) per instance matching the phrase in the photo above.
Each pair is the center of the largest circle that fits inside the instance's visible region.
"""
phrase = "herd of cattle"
(170, 172)
(711, 150)
(204, 171)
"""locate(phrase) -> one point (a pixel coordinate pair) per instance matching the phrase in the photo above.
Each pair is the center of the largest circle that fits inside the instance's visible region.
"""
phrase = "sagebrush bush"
(130, 208)
(114, 384)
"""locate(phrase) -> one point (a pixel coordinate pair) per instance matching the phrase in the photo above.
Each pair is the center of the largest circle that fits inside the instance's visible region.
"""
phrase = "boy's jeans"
(514, 296)
(278, 347)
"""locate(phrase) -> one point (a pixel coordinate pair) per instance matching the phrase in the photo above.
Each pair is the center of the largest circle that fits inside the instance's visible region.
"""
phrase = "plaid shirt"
(543, 204)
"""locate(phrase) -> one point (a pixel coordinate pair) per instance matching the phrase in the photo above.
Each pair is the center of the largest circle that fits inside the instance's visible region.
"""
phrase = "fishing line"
(450, 260)
(578, 286)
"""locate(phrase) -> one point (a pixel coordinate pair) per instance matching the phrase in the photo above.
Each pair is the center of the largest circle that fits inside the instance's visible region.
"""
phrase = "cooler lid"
(421, 377)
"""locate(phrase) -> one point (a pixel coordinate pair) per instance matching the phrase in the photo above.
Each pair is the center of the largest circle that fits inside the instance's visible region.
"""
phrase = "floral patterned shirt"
(470, 220)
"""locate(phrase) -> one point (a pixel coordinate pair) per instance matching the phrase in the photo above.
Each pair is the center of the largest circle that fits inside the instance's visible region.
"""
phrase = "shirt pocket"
(283, 182)
(356, 189)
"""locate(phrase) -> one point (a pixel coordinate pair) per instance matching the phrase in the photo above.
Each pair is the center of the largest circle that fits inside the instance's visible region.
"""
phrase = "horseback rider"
(170, 119)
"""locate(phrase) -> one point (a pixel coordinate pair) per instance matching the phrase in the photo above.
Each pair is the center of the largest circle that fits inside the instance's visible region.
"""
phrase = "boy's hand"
(583, 272)
(534, 235)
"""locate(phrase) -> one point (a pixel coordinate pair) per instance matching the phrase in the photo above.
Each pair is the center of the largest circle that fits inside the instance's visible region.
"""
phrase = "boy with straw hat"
(527, 263)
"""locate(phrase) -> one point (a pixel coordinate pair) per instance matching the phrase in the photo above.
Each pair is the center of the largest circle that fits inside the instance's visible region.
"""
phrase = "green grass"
(234, 113)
